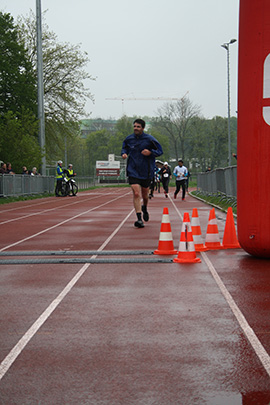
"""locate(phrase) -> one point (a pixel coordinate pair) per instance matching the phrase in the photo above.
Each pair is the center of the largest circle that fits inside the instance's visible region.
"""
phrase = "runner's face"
(138, 129)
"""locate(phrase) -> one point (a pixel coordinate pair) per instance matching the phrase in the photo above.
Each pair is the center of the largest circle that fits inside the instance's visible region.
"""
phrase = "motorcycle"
(69, 186)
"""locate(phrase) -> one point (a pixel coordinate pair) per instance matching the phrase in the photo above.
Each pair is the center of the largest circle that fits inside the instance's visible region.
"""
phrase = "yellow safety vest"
(59, 176)
(70, 173)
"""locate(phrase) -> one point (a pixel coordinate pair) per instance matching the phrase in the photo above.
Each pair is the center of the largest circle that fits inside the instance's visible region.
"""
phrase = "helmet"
(59, 162)
(70, 165)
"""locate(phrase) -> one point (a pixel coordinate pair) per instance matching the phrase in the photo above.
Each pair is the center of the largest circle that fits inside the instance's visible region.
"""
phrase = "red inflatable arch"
(253, 135)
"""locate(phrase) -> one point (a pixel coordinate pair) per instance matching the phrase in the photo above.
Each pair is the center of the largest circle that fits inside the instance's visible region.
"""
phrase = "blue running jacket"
(138, 165)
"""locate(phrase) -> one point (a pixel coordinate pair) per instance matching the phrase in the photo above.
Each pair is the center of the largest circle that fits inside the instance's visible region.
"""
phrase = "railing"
(219, 181)
(17, 184)
(13, 185)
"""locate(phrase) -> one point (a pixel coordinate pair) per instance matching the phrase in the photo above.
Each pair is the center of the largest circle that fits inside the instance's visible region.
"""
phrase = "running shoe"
(145, 213)
(139, 224)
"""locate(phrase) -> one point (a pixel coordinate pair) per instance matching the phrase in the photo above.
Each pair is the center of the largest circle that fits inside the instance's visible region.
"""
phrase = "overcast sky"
(148, 49)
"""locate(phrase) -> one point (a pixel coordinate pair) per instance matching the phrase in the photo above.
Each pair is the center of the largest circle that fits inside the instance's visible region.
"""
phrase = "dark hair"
(180, 160)
(140, 121)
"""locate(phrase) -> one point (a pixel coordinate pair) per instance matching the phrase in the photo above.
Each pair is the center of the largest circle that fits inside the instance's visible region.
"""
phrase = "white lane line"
(176, 209)
(61, 223)
(248, 331)
(18, 348)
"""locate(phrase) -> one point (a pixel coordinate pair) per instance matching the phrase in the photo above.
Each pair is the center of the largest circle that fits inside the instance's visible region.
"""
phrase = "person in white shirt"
(180, 172)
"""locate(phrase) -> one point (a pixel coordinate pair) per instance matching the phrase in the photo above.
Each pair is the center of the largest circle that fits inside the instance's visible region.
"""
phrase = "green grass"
(6, 200)
(217, 200)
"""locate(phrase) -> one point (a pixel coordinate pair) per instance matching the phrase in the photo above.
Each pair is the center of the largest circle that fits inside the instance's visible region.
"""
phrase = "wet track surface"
(131, 331)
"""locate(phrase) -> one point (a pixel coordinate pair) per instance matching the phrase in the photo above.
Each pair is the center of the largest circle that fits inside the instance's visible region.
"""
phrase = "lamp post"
(41, 115)
(226, 46)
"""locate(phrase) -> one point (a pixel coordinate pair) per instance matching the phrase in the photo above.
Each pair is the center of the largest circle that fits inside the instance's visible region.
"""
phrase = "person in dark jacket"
(141, 149)
(166, 175)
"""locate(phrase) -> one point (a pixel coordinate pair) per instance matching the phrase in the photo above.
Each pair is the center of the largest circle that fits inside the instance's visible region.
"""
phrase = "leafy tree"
(97, 147)
(124, 126)
(78, 156)
(174, 119)
(18, 108)
(18, 142)
(65, 93)
(17, 78)
(164, 142)
(209, 143)
(219, 141)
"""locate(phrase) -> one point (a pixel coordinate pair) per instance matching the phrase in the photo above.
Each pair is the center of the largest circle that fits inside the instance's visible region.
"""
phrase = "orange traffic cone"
(196, 232)
(230, 240)
(165, 245)
(186, 252)
(212, 240)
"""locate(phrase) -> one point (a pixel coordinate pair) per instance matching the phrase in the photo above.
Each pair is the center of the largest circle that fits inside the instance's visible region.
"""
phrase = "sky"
(147, 50)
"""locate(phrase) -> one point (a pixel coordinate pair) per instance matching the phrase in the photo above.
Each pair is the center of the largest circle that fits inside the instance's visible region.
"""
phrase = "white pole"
(41, 115)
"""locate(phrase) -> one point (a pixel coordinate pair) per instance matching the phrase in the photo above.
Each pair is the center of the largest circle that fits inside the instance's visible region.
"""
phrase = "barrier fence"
(219, 181)
(14, 185)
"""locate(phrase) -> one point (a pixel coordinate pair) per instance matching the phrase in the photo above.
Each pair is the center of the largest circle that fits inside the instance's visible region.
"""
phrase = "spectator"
(234, 155)
(9, 168)
(208, 169)
(34, 172)
(24, 170)
(3, 168)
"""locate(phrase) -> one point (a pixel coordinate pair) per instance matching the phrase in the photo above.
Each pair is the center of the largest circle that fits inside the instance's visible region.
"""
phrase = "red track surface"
(128, 333)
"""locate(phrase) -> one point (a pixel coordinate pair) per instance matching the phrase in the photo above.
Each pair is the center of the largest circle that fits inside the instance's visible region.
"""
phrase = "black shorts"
(142, 182)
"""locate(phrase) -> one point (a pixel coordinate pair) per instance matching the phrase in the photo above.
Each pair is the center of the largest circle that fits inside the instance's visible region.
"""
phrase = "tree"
(17, 77)
(97, 147)
(18, 141)
(174, 119)
(219, 135)
(65, 93)
(208, 142)
(18, 108)
(124, 126)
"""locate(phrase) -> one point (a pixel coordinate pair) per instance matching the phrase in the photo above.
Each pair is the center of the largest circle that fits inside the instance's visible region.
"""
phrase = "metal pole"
(41, 115)
(229, 107)
(227, 47)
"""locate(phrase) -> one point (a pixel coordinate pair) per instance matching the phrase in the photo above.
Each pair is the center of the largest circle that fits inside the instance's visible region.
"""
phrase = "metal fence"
(14, 185)
(222, 181)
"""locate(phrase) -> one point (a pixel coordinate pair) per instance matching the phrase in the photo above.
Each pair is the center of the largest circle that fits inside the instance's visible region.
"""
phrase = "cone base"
(232, 246)
(215, 247)
(165, 252)
(201, 248)
(179, 260)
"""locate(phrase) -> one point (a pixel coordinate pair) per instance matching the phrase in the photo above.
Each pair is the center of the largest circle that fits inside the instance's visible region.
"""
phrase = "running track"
(125, 331)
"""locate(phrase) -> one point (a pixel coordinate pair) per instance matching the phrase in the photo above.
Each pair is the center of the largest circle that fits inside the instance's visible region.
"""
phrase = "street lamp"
(226, 46)
(40, 87)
